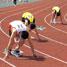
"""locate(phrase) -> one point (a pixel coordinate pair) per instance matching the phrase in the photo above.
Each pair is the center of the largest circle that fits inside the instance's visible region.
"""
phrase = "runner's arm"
(37, 34)
(11, 41)
(31, 45)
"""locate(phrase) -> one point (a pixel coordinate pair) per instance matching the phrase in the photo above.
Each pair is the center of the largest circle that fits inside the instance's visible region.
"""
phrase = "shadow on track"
(40, 40)
(64, 24)
(38, 58)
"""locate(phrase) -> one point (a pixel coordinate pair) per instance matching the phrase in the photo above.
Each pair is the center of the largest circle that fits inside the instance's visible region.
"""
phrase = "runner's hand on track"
(35, 56)
(6, 57)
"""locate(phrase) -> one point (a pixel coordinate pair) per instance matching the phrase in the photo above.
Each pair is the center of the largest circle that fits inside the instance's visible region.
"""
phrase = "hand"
(35, 56)
(61, 22)
(6, 57)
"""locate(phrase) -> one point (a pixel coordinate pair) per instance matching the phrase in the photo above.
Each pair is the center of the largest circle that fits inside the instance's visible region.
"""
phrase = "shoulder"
(54, 8)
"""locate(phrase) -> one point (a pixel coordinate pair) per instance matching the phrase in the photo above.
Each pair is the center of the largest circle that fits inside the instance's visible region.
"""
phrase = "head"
(24, 34)
(26, 20)
(32, 26)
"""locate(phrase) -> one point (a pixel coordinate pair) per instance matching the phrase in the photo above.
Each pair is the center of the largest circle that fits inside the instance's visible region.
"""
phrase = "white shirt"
(18, 25)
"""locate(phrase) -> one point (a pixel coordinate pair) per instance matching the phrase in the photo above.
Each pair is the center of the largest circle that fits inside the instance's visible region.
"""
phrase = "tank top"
(18, 25)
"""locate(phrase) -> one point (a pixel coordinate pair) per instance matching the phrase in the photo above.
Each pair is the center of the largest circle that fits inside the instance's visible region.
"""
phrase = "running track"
(52, 50)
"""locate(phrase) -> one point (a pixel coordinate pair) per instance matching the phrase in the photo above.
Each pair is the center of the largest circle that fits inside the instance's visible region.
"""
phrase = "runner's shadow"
(64, 24)
(40, 40)
(38, 58)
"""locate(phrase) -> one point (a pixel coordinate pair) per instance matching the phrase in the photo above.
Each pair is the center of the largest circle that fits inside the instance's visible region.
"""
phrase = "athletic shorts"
(58, 13)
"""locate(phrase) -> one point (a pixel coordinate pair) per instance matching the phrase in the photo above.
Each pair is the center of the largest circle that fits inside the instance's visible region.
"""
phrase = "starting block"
(40, 28)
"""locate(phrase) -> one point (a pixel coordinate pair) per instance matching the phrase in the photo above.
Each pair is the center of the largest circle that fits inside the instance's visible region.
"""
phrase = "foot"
(16, 53)
(54, 21)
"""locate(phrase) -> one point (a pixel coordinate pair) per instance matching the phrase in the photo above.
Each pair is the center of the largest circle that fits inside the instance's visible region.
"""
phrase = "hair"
(23, 20)
(24, 34)
(32, 26)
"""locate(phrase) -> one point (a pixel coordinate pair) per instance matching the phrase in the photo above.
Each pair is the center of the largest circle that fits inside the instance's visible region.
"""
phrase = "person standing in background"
(14, 1)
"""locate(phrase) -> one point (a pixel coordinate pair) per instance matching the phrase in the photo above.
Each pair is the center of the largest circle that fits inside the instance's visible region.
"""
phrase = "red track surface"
(53, 49)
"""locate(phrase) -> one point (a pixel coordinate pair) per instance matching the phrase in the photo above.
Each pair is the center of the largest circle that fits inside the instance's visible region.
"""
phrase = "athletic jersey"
(29, 16)
(56, 8)
(18, 25)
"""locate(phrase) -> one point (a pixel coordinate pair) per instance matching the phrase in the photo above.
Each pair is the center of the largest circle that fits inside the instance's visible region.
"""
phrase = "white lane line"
(65, 62)
(33, 9)
(65, 17)
(32, 37)
(52, 39)
(44, 53)
(45, 19)
(16, 14)
(48, 54)
(7, 62)
(27, 7)
(26, 10)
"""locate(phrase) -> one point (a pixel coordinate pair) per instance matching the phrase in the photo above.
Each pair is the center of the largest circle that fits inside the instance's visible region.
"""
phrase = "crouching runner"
(29, 20)
(18, 33)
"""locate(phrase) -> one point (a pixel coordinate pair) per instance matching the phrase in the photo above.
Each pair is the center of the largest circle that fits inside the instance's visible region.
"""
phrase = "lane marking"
(27, 7)
(45, 19)
(47, 55)
(7, 62)
(52, 39)
(40, 51)
(65, 17)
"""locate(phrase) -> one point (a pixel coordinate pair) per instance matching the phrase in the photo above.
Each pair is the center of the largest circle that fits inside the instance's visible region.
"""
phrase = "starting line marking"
(7, 62)
(47, 55)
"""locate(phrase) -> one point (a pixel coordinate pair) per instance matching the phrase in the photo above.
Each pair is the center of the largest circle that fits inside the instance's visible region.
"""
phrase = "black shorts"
(58, 14)
(10, 32)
